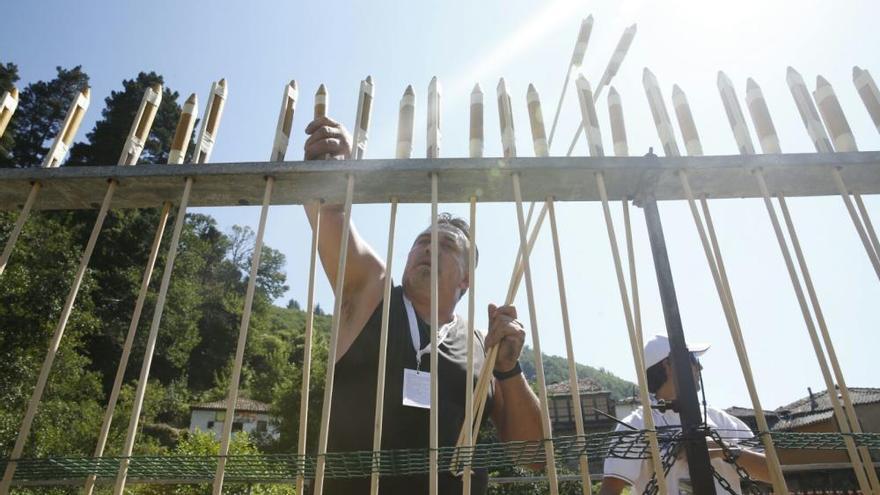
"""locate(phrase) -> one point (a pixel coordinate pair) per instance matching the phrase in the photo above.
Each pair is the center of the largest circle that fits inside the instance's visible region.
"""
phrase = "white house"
(250, 416)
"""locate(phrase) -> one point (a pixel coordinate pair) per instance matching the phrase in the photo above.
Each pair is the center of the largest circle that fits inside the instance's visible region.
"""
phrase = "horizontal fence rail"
(565, 179)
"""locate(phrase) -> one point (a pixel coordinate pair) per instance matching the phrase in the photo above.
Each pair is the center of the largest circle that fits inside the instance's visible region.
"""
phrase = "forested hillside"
(200, 323)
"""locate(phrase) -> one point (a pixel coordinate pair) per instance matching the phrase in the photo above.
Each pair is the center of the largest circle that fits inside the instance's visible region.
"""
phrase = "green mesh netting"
(279, 468)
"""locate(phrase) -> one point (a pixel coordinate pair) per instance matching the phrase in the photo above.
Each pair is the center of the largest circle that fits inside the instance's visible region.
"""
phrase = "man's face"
(696, 367)
(452, 261)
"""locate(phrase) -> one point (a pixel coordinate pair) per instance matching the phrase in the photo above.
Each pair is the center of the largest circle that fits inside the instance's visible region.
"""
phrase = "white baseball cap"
(657, 349)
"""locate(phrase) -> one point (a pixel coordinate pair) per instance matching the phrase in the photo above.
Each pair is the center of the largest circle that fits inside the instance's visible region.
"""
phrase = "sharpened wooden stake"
(129, 341)
(536, 120)
(55, 343)
(469, 376)
(577, 58)
(383, 354)
(138, 133)
(868, 92)
(8, 104)
(406, 123)
(308, 337)
(279, 150)
(211, 122)
(855, 459)
(334, 340)
(65, 136)
(232, 395)
(536, 345)
(434, 424)
(178, 151)
(610, 71)
(54, 157)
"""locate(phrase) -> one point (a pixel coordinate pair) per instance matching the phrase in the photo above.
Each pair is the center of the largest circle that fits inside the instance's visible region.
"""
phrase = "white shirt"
(637, 472)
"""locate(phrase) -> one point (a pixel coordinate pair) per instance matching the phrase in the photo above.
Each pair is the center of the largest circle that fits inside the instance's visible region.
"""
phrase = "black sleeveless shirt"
(354, 398)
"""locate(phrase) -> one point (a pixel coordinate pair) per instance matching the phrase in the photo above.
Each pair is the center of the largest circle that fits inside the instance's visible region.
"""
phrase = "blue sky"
(261, 45)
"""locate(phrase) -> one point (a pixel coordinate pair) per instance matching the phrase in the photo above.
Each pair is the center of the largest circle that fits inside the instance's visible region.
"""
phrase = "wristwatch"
(504, 375)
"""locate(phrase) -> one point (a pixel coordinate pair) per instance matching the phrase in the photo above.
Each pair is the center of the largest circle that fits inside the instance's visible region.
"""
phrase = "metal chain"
(671, 454)
(745, 479)
(668, 459)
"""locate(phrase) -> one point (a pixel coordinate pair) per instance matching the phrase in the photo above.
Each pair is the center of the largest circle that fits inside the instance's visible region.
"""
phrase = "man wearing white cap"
(637, 472)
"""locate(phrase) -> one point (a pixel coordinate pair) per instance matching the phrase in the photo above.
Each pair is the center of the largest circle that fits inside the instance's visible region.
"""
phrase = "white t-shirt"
(637, 472)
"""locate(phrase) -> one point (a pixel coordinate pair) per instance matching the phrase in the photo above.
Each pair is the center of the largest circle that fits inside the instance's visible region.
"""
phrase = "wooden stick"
(869, 226)
(536, 120)
(8, 104)
(469, 377)
(56, 154)
(434, 425)
(131, 152)
(611, 69)
(642, 380)
(307, 353)
(713, 256)
(841, 138)
(129, 341)
(210, 122)
(406, 123)
(586, 483)
(712, 250)
(55, 343)
(813, 124)
(536, 345)
(870, 95)
(232, 396)
(140, 126)
(633, 279)
(858, 466)
(334, 340)
(383, 354)
(577, 58)
(204, 145)
(19, 224)
(362, 122)
(140, 390)
(848, 406)
(67, 132)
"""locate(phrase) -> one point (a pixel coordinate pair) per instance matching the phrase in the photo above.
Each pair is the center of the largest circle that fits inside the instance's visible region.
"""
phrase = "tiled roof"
(241, 404)
(806, 411)
(584, 385)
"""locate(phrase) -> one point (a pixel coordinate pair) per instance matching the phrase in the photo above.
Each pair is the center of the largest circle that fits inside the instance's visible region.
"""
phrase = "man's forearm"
(755, 464)
(520, 418)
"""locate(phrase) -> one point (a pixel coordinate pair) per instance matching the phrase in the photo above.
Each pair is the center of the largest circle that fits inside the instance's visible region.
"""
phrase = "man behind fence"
(512, 405)
(637, 472)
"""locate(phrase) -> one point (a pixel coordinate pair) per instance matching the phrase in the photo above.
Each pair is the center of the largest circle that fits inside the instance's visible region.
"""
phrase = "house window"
(210, 425)
(262, 427)
(237, 426)
(562, 407)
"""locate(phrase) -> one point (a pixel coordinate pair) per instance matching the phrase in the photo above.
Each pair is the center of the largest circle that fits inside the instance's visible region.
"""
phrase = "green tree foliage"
(42, 106)
(556, 370)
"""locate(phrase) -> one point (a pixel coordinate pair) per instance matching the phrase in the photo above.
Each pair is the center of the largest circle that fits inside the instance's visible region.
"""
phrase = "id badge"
(417, 388)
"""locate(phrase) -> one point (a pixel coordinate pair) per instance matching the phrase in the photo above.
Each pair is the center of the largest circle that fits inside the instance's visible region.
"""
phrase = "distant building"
(562, 412)
(250, 416)
(812, 470)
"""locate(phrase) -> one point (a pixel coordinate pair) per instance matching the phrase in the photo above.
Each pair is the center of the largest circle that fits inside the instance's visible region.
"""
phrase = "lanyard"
(414, 331)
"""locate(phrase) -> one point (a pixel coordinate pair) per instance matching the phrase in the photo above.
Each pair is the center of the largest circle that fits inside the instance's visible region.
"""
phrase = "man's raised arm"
(364, 270)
